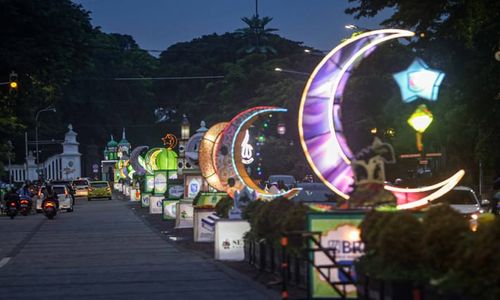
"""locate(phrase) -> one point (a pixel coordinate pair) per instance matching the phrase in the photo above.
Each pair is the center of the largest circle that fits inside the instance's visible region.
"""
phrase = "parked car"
(463, 199)
(288, 180)
(313, 192)
(81, 187)
(64, 197)
(99, 189)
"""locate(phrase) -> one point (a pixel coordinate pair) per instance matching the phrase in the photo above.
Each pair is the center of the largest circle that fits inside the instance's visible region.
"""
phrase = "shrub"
(269, 220)
(371, 227)
(223, 207)
(477, 272)
(400, 248)
(444, 229)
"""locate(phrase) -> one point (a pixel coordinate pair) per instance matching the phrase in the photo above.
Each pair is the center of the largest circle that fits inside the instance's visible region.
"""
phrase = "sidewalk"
(183, 239)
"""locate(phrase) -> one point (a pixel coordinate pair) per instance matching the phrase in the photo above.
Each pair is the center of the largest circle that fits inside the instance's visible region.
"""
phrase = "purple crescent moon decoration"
(320, 127)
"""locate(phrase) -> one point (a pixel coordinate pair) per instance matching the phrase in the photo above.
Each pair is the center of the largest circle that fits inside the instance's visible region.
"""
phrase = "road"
(103, 250)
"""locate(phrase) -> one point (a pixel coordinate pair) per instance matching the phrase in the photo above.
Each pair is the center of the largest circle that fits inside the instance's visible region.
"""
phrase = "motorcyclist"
(50, 195)
(10, 197)
(26, 192)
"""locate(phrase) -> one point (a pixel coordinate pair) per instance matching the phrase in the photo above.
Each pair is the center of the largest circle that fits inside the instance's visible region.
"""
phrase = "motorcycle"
(24, 205)
(12, 209)
(49, 209)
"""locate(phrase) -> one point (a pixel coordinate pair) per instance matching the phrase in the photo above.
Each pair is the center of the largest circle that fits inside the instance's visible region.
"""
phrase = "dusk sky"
(157, 24)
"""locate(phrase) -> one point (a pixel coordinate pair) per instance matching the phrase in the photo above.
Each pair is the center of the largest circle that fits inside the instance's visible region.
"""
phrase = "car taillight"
(13, 204)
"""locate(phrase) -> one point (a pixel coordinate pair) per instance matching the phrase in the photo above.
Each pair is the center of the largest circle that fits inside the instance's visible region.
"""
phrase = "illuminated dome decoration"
(160, 159)
(110, 152)
(166, 159)
(419, 81)
(206, 155)
(193, 146)
(320, 128)
(123, 147)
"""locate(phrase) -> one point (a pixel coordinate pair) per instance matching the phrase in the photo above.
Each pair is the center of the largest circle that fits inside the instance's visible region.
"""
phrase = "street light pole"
(52, 109)
(291, 71)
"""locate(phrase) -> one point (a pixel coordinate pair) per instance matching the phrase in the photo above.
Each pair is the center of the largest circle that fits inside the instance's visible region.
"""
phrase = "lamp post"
(52, 109)
(356, 27)
(291, 71)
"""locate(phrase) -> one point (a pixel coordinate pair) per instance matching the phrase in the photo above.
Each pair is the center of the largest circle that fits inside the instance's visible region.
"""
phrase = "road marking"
(4, 261)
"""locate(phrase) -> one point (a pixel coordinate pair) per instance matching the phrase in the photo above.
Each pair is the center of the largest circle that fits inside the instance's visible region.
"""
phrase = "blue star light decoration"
(419, 81)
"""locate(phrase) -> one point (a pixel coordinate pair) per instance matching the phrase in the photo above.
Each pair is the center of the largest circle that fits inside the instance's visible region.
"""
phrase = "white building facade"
(65, 166)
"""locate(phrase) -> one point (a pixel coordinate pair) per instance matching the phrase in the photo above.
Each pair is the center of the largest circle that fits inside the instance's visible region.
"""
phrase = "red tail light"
(49, 204)
(24, 202)
(13, 204)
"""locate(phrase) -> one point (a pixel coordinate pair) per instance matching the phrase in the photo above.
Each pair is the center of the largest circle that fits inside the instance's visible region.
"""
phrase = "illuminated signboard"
(193, 186)
(246, 150)
(175, 189)
(145, 199)
(339, 231)
(155, 204)
(169, 208)
(160, 182)
(184, 214)
(149, 183)
(229, 243)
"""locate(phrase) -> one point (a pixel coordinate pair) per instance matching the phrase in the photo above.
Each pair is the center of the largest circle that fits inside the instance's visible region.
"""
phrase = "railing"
(292, 268)
(313, 245)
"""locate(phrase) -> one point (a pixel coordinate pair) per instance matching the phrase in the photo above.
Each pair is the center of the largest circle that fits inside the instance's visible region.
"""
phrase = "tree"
(44, 42)
(257, 34)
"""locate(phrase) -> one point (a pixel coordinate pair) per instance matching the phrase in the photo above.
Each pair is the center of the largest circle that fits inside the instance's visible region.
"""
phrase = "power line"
(168, 78)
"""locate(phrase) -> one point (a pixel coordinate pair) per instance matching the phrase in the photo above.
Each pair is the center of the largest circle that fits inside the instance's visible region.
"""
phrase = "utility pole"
(9, 154)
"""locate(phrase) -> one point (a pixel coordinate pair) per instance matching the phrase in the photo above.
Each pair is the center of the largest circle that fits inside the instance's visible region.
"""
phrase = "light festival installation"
(137, 161)
(207, 153)
(241, 124)
(224, 150)
(320, 128)
(419, 81)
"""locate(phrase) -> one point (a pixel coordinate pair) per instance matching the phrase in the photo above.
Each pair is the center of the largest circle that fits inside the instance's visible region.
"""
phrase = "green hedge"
(437, 249)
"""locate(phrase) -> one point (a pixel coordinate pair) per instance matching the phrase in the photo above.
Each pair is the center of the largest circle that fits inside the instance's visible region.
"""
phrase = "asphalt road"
(103, 250)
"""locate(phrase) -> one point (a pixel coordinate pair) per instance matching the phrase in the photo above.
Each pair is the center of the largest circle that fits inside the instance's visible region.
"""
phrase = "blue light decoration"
(418, 80)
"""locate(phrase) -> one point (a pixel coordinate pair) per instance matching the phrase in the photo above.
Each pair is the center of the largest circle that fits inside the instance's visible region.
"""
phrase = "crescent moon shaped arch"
(206, 155)
(320, 128)
(150, 159)
(134, 159)
(237, 164)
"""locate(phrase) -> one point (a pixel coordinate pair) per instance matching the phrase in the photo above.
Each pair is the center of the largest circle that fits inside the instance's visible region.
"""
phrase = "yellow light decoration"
(421, 119)
(206, 154)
